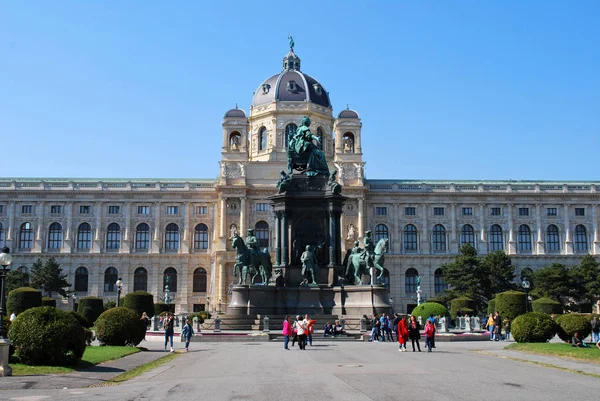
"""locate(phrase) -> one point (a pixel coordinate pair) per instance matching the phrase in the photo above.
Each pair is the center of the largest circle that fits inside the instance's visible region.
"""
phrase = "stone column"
(285, 256)
(596, 240)
(541, 245)
(277, 238)
(332, 247)
(156, 240)
(97, 245)
(185, 244)
(361, 213)
(67, 242)
(568, 242)
(425, 244)
(338, 234)
(512, 246)
(11, 226)
(39, 245)
(222, 215)
(126, 237)
(483, 247)
(453, 241)
(396, 239)
(242, 215)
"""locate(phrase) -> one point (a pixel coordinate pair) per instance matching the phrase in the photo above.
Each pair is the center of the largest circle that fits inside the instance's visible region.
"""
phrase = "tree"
(554, 282)
(16, 279)
(500, 271)
(48, 277)
(586, 279)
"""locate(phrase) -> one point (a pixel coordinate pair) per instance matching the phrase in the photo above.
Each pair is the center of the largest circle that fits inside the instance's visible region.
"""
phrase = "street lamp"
(119, 288)
(526, 284)
(74, 302)
(5, 261)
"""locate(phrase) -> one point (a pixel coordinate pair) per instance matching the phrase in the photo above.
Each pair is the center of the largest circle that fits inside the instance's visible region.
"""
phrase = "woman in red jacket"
(402, 334)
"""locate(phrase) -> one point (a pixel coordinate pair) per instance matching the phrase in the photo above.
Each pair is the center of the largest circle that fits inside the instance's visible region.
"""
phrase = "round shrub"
(140, 301)
(511, 304)
(429, 308)
(463, 304)
(90, 308)
(120, 326)
(21, 299)
(567, 325)
(547, 305)
(161, 307)
(47, 336)
(491, 306)
(49, 302)
(533, 327)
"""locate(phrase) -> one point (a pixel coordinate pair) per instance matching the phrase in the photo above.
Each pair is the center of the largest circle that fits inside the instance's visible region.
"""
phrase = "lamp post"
(74, 302)
(119, 288)
(5, 261)
(526, 284)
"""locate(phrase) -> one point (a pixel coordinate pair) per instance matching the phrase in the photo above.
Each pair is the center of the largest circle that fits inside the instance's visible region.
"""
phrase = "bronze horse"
(357, 267)
(249, 262)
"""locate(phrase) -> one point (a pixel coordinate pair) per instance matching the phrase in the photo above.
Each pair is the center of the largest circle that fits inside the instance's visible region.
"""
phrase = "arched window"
(320, 135)
(290, 130)
(439, 238)
(84, 236)
(410, 281)
(2, 240)
(552, 240)
(140, 279)
(467, 235)
(171, 274)
(111, 275)
(261, 230)
(496, 238)
(142, 236)
(410, 238)
(81, 279)
(235, 141)
(172, 237)
(201, 236)
(381, 231)
(113, 236)
(26, 236)
(438, 282)
(199, 281)
(55, 236)
(348, 142)
(524, 238)
(581, 243)
(262, 139)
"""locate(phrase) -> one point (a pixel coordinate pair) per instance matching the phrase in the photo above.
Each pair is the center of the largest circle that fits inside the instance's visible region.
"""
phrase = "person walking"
(497, 327)
(295, 330)
(374, 329)
(402, 332)
(395, 325)
(595, 329)
(169, 330)
(301, 329)
(506, 329)
(432, 320)
(186, 333)
(287, 332)
(309, 329)
(490, 326)
(414, 333)
(429, 331)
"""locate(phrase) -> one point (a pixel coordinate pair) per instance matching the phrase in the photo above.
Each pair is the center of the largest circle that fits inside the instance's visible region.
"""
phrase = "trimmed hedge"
(120, 326)
(511, 304)
(161, 307)
(570, 323)
(533, 327)
(90, 308)
(547, 305)
(21, 299)
(49, 302)
(47, 336)
(491, 306)
(140, 301)
(464, 304)
(428, 308)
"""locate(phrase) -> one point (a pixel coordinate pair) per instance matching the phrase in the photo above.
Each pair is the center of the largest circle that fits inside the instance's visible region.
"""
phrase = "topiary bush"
(511, 304)
(47, 336)
(161, 307)
(120, 326)
(49, 302)
(491, 306)
(463, 304)
(547, 305)
(90, 308)
(23, 298)
(570, 323)
(140, 301)
(428, 308)
(533, 327)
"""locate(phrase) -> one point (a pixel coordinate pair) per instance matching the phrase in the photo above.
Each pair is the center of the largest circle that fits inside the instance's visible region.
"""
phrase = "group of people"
(333, 329)
(406, 329)
(495, 325)
(300, 331)
(578, 342)
(186, 332)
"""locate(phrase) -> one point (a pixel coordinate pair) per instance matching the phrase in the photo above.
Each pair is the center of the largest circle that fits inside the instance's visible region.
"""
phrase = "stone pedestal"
(5, 370)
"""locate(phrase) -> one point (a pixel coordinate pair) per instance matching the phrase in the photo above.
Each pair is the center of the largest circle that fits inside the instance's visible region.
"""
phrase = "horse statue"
(357, 267)
(248, 262)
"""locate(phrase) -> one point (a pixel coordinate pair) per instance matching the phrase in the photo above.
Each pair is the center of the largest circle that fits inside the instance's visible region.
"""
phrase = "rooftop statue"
(303, 154)
(291, 42)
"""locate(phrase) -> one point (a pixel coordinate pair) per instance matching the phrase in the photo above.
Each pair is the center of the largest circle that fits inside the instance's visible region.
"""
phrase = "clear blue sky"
(446, 89)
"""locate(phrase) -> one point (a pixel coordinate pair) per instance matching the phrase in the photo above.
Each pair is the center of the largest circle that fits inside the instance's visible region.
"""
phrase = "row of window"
(468, 211)
(410, 281)
(112, 209)
(290, 130)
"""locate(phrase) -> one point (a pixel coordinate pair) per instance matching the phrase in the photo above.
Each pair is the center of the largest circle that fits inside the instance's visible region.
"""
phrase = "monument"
(312, 275)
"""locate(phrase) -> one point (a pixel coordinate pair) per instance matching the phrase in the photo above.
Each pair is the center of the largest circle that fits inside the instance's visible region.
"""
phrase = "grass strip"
(558, 350)
(143, 368)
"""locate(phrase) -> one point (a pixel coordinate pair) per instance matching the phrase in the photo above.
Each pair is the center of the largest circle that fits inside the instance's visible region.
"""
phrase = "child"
(186, 333)
(429, 331)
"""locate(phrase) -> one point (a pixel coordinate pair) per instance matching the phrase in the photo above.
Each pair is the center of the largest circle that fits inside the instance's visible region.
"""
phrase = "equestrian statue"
(251, 260)
(361, 260)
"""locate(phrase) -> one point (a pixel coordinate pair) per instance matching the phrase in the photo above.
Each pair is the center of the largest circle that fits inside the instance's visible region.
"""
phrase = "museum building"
(145, 231)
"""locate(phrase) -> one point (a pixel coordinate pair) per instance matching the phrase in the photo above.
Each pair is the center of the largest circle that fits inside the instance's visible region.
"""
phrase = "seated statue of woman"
(302, 143)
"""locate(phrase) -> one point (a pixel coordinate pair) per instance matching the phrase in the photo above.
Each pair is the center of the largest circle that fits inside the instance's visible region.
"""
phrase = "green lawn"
(91, 356)
(144, 368)
(591, 354)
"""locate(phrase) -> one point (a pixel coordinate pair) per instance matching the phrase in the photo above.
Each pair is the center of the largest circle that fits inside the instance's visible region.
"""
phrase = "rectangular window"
(1, 208)
(438, 211)
(27, 209)
(262, 207)
(523, 211)
(551, 211)
(496, 211)
(172, 209)
(381, 211)
(55, 209)
(467, 211)
(143, 210)
(579, 211)
(410, 211)
(201, 209)
(114, 209)
(84, 209)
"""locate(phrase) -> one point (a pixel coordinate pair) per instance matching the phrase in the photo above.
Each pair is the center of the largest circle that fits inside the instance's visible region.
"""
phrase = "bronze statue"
(309, 266)
(357, 266)
(303, 154)
(284, 182)
(250, 261)
(333, 184)
(367, 254)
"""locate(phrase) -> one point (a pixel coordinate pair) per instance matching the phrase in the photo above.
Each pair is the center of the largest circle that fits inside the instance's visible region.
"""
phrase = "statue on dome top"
(291, 42)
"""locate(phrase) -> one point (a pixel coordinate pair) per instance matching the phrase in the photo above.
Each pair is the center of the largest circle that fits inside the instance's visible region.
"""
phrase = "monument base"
(5, 370)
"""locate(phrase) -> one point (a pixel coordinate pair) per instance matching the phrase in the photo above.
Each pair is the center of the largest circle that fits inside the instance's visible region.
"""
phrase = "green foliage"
(533, 327)
(90, 308)
(510, 304)
(442, 298)
(429, 308)
(48, 277)
(48, 302)
(462, 304)
(16, 279)
(586, 280)
(554, 282)
(547, 305)
(140, 301)
(111, 303)
(120, 326)
(47, 336)
(21, 299)
(569, 324)
(491, 308)
(501, 273)
(161, 307)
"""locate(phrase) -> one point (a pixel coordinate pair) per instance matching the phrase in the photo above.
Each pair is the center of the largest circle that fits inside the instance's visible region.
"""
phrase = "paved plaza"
(343, 371)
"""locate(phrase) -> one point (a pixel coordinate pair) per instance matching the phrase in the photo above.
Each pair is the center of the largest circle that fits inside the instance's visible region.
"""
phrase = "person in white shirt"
(13, 316)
